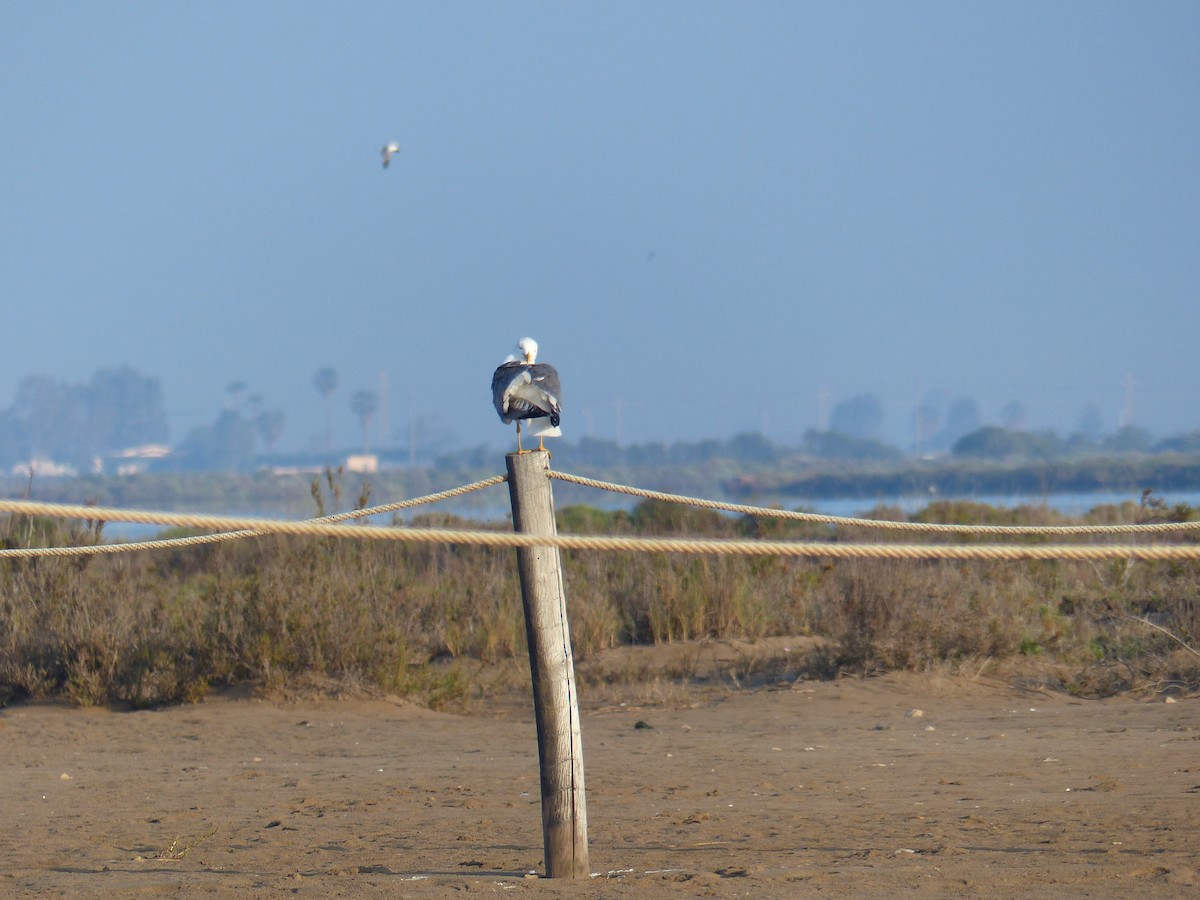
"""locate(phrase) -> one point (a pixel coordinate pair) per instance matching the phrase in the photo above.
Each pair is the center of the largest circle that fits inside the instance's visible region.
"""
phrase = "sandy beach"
(854, 788)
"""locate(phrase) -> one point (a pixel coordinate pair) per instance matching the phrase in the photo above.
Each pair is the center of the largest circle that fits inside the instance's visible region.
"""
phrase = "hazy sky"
(708, 210)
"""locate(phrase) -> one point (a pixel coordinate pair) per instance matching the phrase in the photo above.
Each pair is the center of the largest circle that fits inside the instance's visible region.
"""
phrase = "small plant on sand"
(179, 848)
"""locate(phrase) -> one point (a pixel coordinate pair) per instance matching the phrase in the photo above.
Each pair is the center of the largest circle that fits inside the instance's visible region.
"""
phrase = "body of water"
(1067, 504)
(496, 507)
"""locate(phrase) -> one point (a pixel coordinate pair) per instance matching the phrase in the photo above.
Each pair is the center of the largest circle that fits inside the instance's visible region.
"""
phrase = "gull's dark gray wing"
(502, 381)
(522, 391)
(545, 379)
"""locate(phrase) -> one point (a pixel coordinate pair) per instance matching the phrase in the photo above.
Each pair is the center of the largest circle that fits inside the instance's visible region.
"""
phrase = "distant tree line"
(991, 442)
(985, 443)
(243, 436)
(84, 425)
(118, 408)
(233, 442)
(77, 424)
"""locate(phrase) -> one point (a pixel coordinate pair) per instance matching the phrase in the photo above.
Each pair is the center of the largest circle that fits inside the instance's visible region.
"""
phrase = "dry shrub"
(887, 614)
(427, 620)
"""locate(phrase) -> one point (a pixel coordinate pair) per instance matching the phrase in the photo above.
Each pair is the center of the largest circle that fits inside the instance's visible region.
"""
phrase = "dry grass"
(443, 623)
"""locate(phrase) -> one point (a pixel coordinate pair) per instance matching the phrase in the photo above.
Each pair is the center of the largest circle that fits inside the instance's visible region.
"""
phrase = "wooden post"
(555, 699)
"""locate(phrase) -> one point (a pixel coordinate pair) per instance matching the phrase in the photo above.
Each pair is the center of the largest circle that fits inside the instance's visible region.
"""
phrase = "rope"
(873, 523)
(193, 540)
(614, 543)
(415, 501)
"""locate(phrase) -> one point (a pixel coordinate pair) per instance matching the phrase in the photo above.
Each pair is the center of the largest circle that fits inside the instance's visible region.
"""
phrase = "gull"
(523, 388)
(387, 151)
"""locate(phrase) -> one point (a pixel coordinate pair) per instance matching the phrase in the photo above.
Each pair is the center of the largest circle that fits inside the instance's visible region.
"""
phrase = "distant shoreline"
(842, 488)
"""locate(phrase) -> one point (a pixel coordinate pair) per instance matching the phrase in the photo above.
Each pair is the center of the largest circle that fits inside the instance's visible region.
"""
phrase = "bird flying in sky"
(387, 151)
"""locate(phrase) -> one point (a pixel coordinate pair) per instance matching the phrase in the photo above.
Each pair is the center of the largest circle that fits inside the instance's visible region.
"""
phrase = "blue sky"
(709, 211)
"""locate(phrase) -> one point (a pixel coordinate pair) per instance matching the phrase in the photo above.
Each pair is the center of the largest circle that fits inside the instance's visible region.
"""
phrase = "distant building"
(133, 460)
(363, 463)
(44, 468)
(146, 451)
(287, 471)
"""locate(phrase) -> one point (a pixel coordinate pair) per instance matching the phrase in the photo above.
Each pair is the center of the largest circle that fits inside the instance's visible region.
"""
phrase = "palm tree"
(365, 404)
(269, 423)
(326, 382)
(235, 390)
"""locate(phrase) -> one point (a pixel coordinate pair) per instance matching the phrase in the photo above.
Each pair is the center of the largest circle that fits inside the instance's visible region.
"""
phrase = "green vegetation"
(1130, 473)
(442, 624)
(791, 479)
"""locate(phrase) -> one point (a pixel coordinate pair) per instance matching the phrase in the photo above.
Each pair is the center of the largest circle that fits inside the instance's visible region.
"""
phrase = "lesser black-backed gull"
(523, 388)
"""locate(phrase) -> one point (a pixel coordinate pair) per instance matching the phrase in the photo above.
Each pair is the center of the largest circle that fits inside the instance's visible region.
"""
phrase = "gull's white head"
(527, 350)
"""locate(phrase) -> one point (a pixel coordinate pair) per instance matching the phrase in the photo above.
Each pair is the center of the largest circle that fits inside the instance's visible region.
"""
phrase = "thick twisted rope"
(614, 543)
(193, 540)
(414, 501)
(818, 518)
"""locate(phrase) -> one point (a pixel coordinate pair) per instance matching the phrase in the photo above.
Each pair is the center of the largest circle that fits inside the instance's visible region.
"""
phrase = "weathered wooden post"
(555, 697)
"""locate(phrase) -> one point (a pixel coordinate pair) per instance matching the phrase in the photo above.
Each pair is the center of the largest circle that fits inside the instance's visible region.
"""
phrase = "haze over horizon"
(709, 215)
